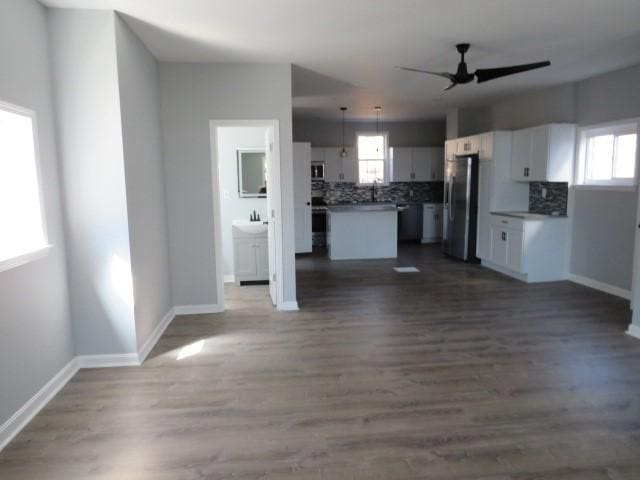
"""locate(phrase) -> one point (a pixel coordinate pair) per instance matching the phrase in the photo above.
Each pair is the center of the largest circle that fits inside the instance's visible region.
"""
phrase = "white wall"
(328, 133)
(144, 176)
(192, 95)
(91, 149)
(35, 328)
(230, 139)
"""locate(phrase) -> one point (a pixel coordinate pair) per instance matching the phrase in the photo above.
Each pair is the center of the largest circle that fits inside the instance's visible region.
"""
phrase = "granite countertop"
(362, 207)
(528, 215)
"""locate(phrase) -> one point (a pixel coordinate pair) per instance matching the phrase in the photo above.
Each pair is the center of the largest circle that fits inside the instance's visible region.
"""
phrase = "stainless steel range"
(318, 219)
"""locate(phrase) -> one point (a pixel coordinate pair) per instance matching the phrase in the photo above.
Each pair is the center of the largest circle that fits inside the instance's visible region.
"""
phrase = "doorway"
(245, 158)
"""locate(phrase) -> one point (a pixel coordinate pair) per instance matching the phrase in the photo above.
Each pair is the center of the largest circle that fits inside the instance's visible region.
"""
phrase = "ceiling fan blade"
(448, 76)
(453, 84)
(486, 74)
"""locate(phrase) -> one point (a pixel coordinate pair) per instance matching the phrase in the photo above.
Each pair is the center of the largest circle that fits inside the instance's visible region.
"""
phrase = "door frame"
(274, 190)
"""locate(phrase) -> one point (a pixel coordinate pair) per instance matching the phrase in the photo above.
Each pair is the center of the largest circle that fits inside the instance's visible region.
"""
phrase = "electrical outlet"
(410, 193)
(544, 193)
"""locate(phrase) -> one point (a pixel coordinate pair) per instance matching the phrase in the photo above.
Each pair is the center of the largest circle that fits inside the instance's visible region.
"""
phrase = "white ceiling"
(345, 51)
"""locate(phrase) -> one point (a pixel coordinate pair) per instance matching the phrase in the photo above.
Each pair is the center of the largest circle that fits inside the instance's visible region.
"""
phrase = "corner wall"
(36, 339)
(192, 95)
(85, 82)
(144, 179)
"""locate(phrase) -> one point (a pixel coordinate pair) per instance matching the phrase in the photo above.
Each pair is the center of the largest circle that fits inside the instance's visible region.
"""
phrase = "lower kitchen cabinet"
(532, 249)
(431, 222)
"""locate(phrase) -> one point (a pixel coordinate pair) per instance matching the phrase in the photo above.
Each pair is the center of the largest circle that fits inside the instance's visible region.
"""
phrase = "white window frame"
(41, 252)
(629, 126)
(386, 170)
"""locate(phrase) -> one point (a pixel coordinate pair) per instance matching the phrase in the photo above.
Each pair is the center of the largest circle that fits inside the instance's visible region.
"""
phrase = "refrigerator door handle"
(452, 192)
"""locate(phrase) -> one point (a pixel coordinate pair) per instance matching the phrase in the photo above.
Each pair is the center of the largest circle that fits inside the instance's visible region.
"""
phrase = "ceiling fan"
(463, 76)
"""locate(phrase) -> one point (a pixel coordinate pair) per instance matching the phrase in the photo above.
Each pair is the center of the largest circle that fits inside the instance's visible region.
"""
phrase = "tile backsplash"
(556, 201)
(401, 192)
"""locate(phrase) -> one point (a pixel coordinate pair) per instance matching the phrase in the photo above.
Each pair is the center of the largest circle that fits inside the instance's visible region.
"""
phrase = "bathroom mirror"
(252, 172)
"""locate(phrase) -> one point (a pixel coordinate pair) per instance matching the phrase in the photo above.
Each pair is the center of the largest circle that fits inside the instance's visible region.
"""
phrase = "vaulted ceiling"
(344, 51)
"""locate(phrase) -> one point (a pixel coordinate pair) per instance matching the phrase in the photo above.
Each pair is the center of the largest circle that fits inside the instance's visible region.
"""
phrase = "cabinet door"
(262, 258)
(245, 257)
(514, 250)
(332, 164)
(461, 146)
(437, 165)
(521, 155)
(499, 246)
(429, 230)
(473, 144)
(349, 166)
(421, 162)
(450, 147)
(483, 241)
(402, 168)
(486, 146)
(539, 153)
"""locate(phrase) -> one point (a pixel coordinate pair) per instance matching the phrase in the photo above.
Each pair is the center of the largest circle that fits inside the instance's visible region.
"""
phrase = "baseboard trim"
(229, 279)
(32, 407)
(151, 341)
(108, 360)
(505, 271)
(634, 331)
(290, 306)
(198, 309)
(14, 425)
(603, 287)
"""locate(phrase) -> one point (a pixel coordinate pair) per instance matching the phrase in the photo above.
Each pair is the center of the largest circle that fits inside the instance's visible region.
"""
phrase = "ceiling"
(344, 51)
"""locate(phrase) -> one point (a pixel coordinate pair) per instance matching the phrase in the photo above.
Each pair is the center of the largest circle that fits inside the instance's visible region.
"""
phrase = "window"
(22, 231)
(372, 157)
(607, 155)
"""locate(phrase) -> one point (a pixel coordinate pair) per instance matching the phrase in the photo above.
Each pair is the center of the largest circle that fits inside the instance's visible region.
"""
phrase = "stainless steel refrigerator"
(460, 207)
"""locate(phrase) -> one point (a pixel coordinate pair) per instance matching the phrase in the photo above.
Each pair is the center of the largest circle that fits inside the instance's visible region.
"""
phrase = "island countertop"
(362, 207)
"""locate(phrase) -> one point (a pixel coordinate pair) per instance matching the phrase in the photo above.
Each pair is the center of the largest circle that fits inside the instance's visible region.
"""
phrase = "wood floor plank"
(453, 373)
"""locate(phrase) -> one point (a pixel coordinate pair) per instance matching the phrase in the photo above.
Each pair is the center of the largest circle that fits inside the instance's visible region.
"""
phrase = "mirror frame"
(239, 153)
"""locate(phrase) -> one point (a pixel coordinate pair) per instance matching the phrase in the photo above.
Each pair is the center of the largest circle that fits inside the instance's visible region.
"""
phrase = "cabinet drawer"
(507, 222)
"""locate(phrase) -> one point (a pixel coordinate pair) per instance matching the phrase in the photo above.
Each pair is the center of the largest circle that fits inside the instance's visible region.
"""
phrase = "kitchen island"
(362, 231)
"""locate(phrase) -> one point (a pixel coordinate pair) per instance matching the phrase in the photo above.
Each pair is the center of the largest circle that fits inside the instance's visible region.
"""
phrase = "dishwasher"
(409, 222)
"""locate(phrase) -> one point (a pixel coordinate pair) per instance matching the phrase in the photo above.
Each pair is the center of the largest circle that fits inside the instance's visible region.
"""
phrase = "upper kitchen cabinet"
(337, 168)
(543, 154)
(468, 145)
(417, 164)
(402, 165)
(428, 164)
(450, 149)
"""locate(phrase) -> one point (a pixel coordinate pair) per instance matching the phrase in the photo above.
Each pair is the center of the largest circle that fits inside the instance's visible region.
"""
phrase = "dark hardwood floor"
(455, 372)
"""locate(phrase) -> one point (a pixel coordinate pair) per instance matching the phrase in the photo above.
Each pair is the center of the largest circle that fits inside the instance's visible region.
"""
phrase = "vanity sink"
(250, 228)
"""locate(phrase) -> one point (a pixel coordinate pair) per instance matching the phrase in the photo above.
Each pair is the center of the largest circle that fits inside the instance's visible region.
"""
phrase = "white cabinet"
(431, 222)
(532, 249)
(543, 154)
(402, 165)
(317, 154)
(496, 190)
(338, 168)
(521, 155)
(468, 145)
(417, 164)
(250, 256)
(450, 149)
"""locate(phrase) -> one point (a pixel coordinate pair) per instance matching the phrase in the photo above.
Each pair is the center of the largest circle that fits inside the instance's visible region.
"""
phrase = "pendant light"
(377, 109)
(343, 152)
